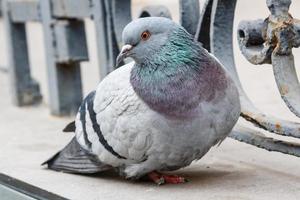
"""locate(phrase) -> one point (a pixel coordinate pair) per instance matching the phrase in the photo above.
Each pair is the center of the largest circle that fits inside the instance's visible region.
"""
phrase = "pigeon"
(158, 113)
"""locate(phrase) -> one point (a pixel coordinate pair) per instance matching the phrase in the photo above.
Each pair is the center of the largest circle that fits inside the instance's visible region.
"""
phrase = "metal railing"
(261, 41)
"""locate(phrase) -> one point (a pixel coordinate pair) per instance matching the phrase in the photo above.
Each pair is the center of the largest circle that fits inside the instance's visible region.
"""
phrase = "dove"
(158, 113)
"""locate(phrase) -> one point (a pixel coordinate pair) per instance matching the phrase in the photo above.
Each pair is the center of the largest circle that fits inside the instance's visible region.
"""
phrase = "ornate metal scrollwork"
(270, 41)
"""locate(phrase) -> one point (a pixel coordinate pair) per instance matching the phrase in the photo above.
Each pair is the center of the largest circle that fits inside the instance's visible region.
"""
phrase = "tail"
(74, 159)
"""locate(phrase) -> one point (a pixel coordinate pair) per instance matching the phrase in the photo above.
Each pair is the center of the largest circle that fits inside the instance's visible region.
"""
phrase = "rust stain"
(284, 89)
(278, 126)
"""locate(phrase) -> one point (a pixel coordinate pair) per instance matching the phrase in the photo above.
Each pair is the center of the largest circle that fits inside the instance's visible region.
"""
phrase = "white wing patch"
(119, 112)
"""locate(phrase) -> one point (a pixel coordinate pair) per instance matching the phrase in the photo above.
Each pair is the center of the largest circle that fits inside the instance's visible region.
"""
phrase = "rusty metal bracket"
(270, 41)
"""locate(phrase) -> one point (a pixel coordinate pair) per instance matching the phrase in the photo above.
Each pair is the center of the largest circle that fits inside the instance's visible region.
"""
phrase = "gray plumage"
(160, 112)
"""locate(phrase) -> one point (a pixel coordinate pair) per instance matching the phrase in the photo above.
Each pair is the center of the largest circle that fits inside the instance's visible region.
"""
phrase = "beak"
(123, 54)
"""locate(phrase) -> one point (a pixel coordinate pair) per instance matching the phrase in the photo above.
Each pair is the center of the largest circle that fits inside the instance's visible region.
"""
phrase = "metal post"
(64, 78)
(25, 90)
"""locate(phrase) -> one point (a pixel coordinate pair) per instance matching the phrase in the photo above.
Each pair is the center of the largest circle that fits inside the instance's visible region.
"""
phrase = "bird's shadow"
(202, 176)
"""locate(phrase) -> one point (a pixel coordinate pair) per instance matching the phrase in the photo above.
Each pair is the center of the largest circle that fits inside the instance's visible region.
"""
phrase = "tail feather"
(71, 127)
(74, 159)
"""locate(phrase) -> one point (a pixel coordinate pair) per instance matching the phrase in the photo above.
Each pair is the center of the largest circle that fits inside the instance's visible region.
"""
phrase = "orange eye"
(145, 35)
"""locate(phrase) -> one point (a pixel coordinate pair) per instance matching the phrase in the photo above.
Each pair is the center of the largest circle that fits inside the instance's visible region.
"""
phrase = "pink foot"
(160, 179)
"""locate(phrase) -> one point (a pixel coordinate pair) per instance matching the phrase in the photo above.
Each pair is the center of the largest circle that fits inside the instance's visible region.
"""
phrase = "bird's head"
(144, 36)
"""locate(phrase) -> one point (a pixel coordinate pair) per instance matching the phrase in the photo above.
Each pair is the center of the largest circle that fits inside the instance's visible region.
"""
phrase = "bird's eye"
(145, 35)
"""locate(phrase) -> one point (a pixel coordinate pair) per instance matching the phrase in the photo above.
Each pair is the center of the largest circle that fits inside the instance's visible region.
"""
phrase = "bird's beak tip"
(123, 54)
